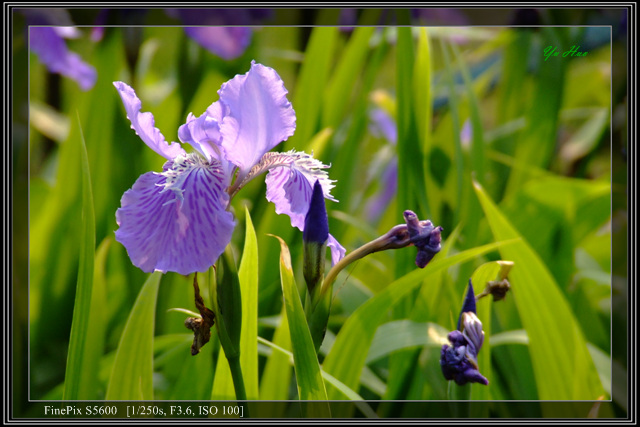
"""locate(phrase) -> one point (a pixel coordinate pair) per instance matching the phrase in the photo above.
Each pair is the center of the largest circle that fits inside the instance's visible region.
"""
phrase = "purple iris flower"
(222, 32)
(47, 31)
(459, 361)
(383, 125)
(178, 220)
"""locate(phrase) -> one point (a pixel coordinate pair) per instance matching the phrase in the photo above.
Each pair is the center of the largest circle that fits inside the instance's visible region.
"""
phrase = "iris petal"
(52, 50)
(226, 42)
(337, 250)
(144, 124)
(290, 191)
(257, 116)
(162, 232)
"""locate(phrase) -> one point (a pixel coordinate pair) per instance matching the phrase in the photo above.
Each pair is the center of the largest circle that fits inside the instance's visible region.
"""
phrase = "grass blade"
(557, 347)
(277, 372)
(308, 376)
(311, 85)
(248, 276)
(346, 76)
(132, 373)
(357, 333)
(86, 342)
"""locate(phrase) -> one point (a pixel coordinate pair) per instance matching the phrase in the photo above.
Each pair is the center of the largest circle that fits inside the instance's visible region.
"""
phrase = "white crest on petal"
(180, 169)
(306, 164)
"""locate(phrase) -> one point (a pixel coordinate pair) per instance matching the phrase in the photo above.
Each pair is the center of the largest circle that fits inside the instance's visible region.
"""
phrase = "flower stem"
(397, 237)
(238, 382)
(459, 395)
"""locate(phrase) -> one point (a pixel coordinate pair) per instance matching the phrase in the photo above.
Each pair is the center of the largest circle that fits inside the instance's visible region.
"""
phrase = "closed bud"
(314, 237)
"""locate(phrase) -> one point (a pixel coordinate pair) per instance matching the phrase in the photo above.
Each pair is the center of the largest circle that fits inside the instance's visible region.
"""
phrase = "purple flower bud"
(424, 236)
(469, 304)
(315, 236)
(459, 360)
(316, 223)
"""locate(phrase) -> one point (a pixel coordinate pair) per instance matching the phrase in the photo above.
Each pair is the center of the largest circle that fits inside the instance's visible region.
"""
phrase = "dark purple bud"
(316, 223)
(469, 304)
(424, 236)
(459, 359)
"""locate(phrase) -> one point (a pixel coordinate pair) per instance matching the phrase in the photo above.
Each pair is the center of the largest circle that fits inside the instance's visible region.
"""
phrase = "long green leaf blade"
(357, 333)
(277, 372)
(308, 376)
(132, 373)
(248, 276)
(311, 84)
(346, 76)
(87, 329)
(557, 346)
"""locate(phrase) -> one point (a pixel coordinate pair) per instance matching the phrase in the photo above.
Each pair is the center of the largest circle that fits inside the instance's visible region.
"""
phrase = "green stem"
(459, 396)
(397, 237)
(238, 382)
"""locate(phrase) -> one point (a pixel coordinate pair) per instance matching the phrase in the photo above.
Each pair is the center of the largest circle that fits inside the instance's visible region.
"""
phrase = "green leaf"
(557, 346)
(248, 276)
(132, 373)
(86, 342)
(401, 334)
(308, 376)
(345, 77)
(461, 212)
(536, 145)
(277, 371)
(311, 85)
(334, 383)
(487, 272)
(223, 388)
(356, 335)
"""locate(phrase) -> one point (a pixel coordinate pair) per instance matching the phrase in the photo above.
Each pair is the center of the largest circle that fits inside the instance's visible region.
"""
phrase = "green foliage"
(538, 151)
(132, 373)
(308, 377)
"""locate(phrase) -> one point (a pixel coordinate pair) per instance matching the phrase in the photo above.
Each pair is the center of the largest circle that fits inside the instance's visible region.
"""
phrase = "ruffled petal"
(52, 51)
(144, 124)
(257, 115)
(290, 182)
(291, 192)
(177, 220)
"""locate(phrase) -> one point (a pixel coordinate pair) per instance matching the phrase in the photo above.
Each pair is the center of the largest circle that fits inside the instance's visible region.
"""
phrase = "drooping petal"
(52, 51)
(177, 220)
(257, 116)
(337, 250)
(290, 180)
(290, 191)
(144, 124)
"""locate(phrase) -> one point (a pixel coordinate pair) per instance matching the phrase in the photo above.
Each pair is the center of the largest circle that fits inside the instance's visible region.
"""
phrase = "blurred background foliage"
(408, 119)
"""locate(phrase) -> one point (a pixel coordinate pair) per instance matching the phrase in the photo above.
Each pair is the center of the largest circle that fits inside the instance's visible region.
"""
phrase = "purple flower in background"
(220, 31)
(459, 361)
(47, 30)
(383, 125)
(178, 219)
